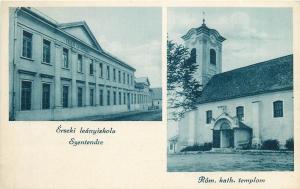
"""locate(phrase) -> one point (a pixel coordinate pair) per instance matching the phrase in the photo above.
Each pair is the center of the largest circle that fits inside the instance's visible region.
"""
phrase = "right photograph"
(230, 89)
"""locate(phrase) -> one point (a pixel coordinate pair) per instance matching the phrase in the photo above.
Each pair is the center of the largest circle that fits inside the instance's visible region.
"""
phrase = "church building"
(241, 107)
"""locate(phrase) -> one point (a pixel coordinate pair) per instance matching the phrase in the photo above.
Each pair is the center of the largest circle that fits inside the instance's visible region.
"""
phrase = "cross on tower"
(203, 13)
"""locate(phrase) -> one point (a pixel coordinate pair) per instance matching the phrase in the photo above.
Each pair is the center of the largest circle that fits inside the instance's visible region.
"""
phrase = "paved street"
(209, 162)
(143, 116)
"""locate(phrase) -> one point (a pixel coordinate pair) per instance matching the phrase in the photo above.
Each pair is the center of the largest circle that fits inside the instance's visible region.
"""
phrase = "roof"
(243, 126)
(144, 80)
(269, 76)
(157, 93)
(60, 27)
(203, 29)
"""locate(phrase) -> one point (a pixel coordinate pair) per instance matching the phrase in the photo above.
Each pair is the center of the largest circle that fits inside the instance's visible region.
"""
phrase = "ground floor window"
(79, 96)
(208, 116)
(101, 97)
(120, 98)
(278, 108)
(115, 97)
(26, 95)
(108, 97)
(171, 146)
(65, 95)
(92, 97)
(124, 100)
(46, 96)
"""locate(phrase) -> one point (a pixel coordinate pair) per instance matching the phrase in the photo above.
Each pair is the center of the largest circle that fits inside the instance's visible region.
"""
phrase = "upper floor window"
(240, 112)
(114, 74)
(65, 58)
(100, 70)
(46, 51)
(193, 55)
(91, 67)
(128, 79)
(131, 79)
(119, 76)
(278, 108)
(27, 45)
(107, 73)
(79, 63)
(212, 56)
(123, 78)
(208, 116)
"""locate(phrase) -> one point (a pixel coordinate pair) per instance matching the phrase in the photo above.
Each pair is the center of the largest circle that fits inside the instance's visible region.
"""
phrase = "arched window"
(278, 108)
(193, 55)
(212, 54)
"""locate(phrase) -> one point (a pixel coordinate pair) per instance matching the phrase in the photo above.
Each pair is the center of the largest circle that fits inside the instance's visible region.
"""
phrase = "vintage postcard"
(149, 94)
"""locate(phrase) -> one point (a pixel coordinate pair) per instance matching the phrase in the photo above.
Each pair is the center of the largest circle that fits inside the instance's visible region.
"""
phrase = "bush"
(196, 147)
(289, 144)
(270, 145)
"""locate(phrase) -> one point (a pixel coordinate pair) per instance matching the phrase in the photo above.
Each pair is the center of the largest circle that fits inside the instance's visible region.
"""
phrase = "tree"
(183, 88)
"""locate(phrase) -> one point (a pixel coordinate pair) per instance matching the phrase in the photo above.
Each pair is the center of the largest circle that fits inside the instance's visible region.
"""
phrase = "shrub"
(196, 147)
(289, 144)
(270, 145)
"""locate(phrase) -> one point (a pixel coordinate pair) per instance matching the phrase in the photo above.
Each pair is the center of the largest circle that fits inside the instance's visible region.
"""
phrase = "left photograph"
(85, 64)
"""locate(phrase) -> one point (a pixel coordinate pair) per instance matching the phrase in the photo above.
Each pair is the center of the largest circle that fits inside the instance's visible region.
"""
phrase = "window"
(46, 96)
(240, 113)
(212, 56)
(123, 78)
(120, 98)
(101, 97)
(27, 45)
(26, 95)
(115, 97)
(128, 79)
(278, 108)
(65, 58)
(124, 99)
(79, 63)
(79, 96)
(108, 97)
(92, 97)
(171, 146)
(114, 74)
(65, 96)
(208, 116)
(135, 98)
(193, 55)
(119, 76)
(100, 70)
(131, 80)
(46, 51)
(91, 67)
(107, 73)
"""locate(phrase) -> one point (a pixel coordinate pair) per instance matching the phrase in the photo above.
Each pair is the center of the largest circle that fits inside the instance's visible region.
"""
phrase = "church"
(244, 106)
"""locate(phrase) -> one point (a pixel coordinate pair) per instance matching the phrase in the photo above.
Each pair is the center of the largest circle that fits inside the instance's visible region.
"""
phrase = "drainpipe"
(14, 65)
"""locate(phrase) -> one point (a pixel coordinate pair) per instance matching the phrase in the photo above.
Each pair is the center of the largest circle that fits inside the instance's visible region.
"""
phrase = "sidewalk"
(110, 116)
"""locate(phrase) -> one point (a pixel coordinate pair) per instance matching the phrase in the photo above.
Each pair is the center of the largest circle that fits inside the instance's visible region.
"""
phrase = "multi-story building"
(59, 71)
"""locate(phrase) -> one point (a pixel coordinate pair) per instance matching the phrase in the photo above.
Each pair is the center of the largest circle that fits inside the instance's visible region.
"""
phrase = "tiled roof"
(269, 76)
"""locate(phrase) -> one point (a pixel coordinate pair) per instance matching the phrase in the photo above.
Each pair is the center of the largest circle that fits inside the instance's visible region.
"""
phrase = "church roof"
(269, 76)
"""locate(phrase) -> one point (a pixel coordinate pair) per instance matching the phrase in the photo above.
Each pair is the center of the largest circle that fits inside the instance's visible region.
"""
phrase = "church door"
(216, 138)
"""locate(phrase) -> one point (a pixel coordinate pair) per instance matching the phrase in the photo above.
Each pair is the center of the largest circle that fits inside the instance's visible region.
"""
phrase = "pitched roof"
(269, 76)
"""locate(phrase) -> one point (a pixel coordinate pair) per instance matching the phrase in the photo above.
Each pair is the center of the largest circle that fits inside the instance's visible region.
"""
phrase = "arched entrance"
(223, 136)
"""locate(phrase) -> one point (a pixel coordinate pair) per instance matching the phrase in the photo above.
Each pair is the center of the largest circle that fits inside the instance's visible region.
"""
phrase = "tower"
(206, 45)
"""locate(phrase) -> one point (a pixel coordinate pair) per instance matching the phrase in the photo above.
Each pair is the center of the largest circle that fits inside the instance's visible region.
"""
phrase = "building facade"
(59, 71)
(238, 108)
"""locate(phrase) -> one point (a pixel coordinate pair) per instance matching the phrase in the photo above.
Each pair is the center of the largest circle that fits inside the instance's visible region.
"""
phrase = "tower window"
(212, 56)
(193, 55)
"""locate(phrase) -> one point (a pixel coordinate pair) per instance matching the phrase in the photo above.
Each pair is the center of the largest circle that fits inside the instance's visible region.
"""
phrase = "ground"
(154, 115)
(242, 161)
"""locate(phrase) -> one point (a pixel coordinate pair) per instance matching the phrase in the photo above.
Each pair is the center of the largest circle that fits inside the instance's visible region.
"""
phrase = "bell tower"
(206, 44)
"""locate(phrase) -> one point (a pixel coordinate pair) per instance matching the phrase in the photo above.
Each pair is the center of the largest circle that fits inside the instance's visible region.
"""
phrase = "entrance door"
(216, 138)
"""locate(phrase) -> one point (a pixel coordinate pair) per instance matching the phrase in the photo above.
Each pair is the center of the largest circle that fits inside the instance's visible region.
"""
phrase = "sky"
(131, 34)
(252, 34)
